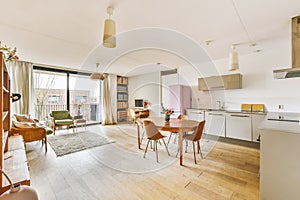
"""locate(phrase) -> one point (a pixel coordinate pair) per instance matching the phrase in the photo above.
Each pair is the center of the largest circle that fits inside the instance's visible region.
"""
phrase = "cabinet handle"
(239, 115)
(197, 112)
(216, 114)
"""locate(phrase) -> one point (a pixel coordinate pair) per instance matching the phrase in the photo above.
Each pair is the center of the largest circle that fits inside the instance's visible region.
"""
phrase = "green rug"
(74, 142)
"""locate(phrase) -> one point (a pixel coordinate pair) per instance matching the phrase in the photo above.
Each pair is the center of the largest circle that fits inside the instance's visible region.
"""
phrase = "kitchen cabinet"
(215, 123)
(195, 114)
(227, 82)
(180, 98)
(257, 119)
(239, 126)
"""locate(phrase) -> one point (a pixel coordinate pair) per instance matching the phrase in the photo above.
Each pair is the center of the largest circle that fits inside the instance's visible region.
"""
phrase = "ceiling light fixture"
(96, 75)
(233, 59)
(109, 35)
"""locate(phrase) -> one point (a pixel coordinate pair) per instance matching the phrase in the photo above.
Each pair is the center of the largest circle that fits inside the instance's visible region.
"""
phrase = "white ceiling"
(68, 33)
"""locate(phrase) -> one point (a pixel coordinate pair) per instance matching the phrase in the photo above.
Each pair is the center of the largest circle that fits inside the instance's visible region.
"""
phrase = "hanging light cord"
(243, 24)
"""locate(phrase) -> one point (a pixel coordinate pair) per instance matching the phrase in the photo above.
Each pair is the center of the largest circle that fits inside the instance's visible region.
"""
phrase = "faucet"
(219, 104)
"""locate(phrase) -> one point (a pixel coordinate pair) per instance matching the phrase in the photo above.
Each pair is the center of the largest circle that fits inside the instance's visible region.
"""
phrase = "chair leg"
(156, 151)
(199, 149)
(169, 138)
(146, 148)
(142, 136)
(166, 146)
(186, 146)
(194, 153)
(46, 144)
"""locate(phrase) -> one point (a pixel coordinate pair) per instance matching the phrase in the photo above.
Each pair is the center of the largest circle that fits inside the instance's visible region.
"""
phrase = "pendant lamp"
(18, 192)
(233, 59)
(109, 36)
(96, 75)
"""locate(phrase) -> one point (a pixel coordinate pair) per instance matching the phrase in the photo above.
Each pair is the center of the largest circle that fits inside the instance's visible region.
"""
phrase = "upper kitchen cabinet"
(227, 82)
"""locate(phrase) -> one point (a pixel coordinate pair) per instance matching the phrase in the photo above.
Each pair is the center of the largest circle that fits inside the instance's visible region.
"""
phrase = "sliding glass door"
(57, 89)
(85, 98)
(50, 90)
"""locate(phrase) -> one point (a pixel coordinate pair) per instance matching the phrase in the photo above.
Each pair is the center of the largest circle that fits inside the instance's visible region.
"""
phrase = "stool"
(80, 121)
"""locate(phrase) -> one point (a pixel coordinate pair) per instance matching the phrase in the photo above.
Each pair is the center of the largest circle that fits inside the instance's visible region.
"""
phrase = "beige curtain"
(21, 75)
(107, 109)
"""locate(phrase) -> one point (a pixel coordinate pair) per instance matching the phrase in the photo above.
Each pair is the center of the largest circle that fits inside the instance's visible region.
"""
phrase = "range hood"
(295, 70)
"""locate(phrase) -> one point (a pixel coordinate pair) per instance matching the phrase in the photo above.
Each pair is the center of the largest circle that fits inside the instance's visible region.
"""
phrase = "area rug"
(74, 142)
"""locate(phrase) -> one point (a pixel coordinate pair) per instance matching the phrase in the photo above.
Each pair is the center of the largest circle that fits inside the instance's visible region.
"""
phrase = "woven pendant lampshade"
(233, 59)
(96, 75)
(109, 35)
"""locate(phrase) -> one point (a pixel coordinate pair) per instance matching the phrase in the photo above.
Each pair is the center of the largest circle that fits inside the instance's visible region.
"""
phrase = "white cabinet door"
(238, 126)
(194, 114)
(256, 120)
(215, 123)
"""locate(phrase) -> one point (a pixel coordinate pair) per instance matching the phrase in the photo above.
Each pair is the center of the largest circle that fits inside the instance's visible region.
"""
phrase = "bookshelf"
(122, 98)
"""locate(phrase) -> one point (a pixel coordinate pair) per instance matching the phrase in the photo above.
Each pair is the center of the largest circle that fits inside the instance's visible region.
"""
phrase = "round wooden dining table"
(174, 125)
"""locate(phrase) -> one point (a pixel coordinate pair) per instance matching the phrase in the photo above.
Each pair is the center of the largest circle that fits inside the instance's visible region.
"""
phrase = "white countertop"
(284, 126)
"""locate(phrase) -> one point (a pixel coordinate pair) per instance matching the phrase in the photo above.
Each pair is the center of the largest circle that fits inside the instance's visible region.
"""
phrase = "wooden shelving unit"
(13, 156)
(122, 98)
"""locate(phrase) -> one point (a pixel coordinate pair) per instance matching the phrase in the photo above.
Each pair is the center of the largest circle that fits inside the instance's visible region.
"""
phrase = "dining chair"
(133, 115)
(153, 134)
(180, 117)
(196, 137)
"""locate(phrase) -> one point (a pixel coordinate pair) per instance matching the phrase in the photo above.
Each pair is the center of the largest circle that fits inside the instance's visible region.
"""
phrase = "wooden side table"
(80, 121)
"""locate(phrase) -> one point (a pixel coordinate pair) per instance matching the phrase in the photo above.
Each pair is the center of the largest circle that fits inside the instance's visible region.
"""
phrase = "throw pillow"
(23, 124)
(24, 118)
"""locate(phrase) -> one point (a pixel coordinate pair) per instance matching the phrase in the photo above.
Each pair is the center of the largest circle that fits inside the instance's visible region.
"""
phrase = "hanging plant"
(9, 54)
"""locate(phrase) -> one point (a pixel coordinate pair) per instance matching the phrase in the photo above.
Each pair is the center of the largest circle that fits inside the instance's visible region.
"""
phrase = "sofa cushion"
(60, 114)
(64, 122)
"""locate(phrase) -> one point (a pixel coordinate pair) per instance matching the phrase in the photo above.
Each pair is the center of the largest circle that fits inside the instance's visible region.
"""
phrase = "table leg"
(139, 139)
(180, 147)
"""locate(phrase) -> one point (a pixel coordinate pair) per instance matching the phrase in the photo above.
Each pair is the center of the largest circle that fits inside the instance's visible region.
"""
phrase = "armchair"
(29, 129)
(61, 118)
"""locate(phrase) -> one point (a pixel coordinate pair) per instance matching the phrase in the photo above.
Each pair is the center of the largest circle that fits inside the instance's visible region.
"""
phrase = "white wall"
(259, 86)
(145, 87)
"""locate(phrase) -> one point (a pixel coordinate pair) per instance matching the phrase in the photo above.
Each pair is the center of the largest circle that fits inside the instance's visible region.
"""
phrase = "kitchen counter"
(228, 111)
(285, 126)
(279, 160)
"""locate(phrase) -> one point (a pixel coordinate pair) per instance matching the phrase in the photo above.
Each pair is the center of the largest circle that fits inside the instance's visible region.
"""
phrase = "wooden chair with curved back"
(133, 115)
(196, 137)
(180, 117)
(153, 134)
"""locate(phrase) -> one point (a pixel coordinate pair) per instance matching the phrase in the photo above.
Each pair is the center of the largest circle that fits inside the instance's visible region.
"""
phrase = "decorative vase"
(167, 118)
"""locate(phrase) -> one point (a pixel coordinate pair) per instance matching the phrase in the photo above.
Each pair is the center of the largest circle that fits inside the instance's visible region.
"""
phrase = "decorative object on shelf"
(109, 35)
(15, 97)
(9, 53)
(96, 75)
(17, 191)
(147, 104)
(168, 113)
(233, 59)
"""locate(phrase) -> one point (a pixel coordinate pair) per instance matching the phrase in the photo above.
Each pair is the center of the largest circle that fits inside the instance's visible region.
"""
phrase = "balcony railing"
(91, 112)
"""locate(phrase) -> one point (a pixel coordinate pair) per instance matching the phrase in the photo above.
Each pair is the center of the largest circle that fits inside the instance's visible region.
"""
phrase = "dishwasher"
(215, 123)
(238, 126)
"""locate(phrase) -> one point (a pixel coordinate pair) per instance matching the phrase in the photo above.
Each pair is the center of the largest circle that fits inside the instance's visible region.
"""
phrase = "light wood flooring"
(119, 171)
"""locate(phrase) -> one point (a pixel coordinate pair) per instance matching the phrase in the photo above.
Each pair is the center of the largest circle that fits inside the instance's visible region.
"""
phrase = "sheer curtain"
(21, 75)
(107, 108)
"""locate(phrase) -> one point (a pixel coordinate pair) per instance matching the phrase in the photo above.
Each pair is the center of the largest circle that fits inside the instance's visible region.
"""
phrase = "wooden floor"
(119, 171)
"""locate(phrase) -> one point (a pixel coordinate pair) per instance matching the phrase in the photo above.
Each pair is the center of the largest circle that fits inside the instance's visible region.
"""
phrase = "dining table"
(174, 125)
